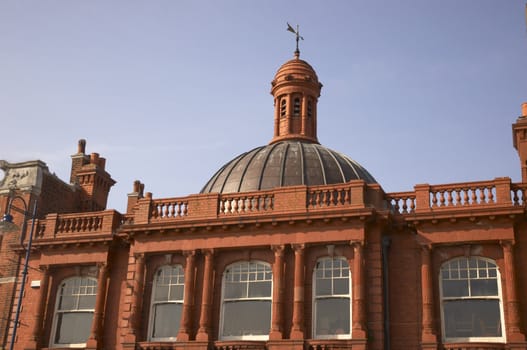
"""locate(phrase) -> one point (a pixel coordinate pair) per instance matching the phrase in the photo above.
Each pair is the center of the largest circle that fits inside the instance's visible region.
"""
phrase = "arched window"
(167, 303)
(296, 107)
(74, 310)
(471, 308)
(283, 104)
(246, 301)
(332, 298)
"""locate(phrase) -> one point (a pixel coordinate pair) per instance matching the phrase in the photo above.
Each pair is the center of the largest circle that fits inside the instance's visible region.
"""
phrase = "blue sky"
(167, 91)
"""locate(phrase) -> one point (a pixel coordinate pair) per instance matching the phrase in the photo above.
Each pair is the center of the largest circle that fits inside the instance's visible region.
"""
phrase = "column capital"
(357, 243)
(298, 246)
(208, 252)
(507, 244)
(188, 253)
(278, 249)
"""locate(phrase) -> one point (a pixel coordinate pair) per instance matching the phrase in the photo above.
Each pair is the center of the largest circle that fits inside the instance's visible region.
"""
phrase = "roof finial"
(297, 33)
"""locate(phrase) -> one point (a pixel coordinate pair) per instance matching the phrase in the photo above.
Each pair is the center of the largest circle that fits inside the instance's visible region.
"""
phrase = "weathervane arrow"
(297, 33)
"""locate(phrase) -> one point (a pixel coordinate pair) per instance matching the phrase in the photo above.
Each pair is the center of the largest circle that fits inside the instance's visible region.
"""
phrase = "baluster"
(176, 212)
(448, 196)
(222, 206)
(457, 192)
(491, 195)
(412, 205)
(310, 199)
(395, 203)
(465, 196)
(473, 196)
(404, 208)
(434, 199)
(442, 198)
(317, 198)
(243, 204)
(482, 195)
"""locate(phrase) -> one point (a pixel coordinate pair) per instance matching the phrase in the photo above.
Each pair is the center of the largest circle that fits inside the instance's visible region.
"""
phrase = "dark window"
(332, 296)
(471, 300)
(246, 306)
(167, 303)
(74, 311)
(296, 107)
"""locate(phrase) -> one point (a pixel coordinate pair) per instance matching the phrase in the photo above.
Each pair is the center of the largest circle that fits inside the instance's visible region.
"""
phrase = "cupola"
(295, 89)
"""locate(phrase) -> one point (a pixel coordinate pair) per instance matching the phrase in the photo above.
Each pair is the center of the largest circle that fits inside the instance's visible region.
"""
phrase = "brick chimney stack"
(88, 172)
(519, 130)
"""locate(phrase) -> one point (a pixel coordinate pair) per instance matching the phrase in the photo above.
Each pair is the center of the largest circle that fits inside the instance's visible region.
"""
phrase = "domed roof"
(285, 163)
(295, 69)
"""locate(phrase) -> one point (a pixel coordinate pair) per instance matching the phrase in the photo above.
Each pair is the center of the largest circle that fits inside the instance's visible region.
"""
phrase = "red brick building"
(288, 246)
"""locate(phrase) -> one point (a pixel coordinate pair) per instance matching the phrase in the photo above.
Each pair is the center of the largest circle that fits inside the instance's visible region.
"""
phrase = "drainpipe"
(386, 241)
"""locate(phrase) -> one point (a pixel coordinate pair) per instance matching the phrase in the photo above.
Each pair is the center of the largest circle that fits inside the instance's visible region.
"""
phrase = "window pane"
(323, 287)
(333, 316)
(176, 292)
(245, 318)
(67, 303)
(161, 292)
(472, 318)
(234, 290)
(87, 302)
(455, 288)
(73, 327)
(166, 320)
(341, 286)
(486, 287)
(259, 289)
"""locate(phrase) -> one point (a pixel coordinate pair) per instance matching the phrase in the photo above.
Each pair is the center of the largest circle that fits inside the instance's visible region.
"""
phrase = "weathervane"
(297, 33)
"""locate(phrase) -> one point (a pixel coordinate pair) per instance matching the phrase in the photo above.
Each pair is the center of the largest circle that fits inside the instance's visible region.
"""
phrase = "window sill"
(470, 346)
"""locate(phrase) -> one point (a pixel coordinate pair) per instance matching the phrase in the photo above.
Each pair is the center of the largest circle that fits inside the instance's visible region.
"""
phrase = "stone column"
(188, 297)
(277, 117)
(289, 113)
(358, 329)
(512, 318)
(95, 333)
(304, 115)
(297, 330)
(428, 337)
(277, 317)
(206, 299)
(33, 342)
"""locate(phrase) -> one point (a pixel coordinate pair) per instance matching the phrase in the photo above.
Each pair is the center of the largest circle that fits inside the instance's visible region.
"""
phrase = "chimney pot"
(81, 146)
(94, 158)
(524, 109)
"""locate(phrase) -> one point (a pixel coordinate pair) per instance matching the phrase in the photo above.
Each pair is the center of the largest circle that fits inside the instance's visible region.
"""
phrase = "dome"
(295, 69)
(285, 163)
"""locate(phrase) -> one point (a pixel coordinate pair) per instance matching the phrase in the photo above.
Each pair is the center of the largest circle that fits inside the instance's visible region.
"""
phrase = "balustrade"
(462, 195)
(76, 224)
(402, 202)
(169, 208)
(246, 203)
(465, 195)
(328, 197)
